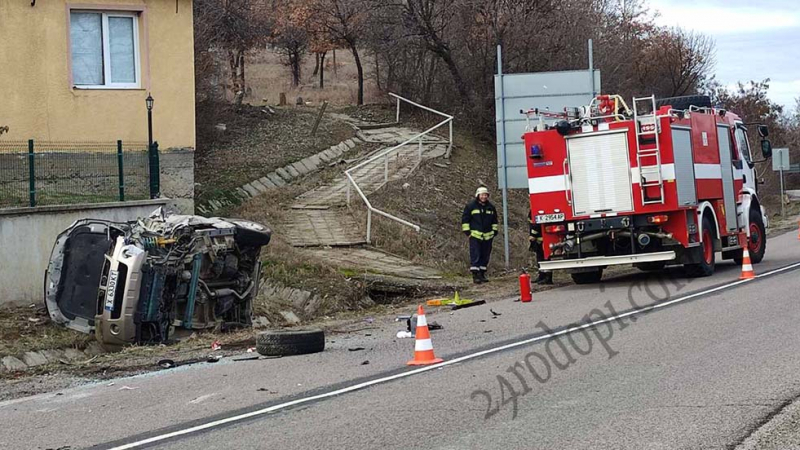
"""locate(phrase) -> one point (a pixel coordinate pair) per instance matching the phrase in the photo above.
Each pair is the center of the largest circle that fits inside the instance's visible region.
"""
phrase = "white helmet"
(481, 190)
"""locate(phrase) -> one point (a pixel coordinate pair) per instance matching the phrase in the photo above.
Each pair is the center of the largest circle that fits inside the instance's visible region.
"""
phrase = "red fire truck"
(670, 181)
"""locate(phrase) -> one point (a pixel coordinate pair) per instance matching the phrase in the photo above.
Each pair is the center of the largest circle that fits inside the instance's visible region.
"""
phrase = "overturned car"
(156, 279)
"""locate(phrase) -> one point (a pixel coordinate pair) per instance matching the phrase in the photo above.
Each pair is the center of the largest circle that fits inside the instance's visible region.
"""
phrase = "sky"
(755, 39)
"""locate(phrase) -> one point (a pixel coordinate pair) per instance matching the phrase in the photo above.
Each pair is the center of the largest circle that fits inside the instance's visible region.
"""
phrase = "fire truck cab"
(670, 181)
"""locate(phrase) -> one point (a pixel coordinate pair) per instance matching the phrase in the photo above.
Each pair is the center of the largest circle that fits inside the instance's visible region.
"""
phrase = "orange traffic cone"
(423, 347)
(747, 266)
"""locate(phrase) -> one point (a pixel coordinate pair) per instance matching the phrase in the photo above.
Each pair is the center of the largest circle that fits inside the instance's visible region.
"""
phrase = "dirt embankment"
(238, 147)
(434, 197)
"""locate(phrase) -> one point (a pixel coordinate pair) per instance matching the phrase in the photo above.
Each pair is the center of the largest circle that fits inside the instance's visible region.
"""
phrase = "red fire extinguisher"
(525, 287)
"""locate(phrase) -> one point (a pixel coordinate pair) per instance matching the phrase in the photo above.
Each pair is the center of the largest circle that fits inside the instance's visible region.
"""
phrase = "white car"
(156, 279)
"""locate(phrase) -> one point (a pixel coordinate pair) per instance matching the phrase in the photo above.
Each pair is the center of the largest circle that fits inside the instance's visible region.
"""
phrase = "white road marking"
(366, 384)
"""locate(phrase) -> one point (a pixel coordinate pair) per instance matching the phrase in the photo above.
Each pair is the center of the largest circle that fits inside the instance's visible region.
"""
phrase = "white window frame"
(107, 51)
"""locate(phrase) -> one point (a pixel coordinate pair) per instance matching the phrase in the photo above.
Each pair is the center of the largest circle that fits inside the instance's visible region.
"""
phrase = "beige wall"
(37, 101)
(27, 236)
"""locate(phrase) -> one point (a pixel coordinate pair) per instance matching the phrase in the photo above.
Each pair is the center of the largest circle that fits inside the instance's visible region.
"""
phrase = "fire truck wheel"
(587, 277)
(758, 239)
(707, 262)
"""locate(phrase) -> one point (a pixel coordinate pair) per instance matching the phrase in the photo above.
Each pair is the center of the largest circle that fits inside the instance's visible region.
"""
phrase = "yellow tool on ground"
(456, 302)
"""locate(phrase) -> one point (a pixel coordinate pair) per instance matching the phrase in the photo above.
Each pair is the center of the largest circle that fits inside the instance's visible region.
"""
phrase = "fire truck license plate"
(549, 218)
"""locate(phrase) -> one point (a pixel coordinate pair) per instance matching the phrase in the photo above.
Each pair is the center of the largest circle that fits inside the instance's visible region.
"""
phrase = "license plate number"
(550, 218)
(111, 289)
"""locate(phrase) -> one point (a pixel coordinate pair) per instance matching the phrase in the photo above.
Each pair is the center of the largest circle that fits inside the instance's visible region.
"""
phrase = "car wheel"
(757, 244)
(707, 262)
(290, 342)
(251, 233)
(587, 277)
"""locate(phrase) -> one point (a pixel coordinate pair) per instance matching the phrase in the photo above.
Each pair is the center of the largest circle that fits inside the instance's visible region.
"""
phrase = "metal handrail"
(385, 154)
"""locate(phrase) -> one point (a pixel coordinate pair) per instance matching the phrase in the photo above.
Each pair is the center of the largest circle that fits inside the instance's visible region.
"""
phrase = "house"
(77, 71)
(82, 70)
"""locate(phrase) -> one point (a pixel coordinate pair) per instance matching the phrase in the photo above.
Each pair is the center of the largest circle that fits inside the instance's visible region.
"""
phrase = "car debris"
(155, 280)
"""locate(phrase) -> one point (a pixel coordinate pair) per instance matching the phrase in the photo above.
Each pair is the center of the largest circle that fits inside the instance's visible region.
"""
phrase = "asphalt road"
(702, 366)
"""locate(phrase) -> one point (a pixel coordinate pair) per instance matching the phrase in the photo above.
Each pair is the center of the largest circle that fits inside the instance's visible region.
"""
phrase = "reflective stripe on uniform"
(482, 236)
(464, 227)
(476, 211)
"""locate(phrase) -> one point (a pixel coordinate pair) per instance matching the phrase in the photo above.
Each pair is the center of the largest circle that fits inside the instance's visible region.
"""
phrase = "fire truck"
(666, 182)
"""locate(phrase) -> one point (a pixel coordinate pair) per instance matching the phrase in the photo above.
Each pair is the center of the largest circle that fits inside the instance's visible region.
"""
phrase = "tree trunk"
(316, 64)
(335, 73)
(461, 86)
(377, 72)
(294, 63)
(236, 63)
(242, 82)
(321, 70)
(360, 74)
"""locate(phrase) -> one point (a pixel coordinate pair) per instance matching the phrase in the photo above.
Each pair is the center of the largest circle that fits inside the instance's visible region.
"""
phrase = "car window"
(741, 142)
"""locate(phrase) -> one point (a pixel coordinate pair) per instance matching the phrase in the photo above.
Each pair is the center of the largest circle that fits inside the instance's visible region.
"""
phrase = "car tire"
(758, 239)
(251, 233)
(587, 277)
(290, 342)
(707, 262)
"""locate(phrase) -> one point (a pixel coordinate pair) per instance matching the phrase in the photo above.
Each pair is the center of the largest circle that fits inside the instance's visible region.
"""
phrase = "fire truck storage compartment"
(728, 191)
(599, 171)
(684, 166)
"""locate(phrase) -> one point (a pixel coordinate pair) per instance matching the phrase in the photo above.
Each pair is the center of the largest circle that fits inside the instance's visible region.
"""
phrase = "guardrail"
(386, 154)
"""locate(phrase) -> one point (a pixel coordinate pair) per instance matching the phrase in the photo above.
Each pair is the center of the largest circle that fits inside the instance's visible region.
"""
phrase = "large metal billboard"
(524, 91)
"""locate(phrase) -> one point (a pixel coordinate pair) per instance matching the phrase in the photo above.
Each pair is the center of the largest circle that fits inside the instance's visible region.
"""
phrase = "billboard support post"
(501, 130)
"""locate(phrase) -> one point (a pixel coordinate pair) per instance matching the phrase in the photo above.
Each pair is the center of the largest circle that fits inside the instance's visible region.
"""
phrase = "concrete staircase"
(320, 221)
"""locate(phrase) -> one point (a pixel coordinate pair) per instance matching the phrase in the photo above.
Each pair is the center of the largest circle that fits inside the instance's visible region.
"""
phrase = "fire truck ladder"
(648, 151)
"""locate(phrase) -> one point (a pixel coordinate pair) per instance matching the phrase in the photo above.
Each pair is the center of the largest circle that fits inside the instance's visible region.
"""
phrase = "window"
(741, 142)
(105, 49)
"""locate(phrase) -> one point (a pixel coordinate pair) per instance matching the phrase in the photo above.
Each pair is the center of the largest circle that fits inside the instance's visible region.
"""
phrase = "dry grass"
(268, 78)
(256, 143)
(24, 329)
(434, 199)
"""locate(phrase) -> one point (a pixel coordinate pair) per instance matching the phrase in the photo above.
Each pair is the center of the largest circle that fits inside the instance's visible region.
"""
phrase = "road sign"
(780, 162)
(780, 159)
(523, 91)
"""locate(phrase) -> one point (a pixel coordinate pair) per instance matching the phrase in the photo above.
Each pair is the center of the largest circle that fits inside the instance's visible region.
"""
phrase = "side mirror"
(763, 131)
(766, 148)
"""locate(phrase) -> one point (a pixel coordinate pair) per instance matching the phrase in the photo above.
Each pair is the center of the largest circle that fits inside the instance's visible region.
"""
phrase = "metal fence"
(37, 173)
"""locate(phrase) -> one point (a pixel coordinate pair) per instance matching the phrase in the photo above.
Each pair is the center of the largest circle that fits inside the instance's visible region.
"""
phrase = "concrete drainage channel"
(280, 177)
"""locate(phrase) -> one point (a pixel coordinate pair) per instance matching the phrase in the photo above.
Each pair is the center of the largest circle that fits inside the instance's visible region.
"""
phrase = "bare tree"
(291, 34)
(344, 23)
(234, 26)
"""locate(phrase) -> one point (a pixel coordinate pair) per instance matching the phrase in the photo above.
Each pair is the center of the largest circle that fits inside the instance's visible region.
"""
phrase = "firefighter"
(536, 239)
(479, 224)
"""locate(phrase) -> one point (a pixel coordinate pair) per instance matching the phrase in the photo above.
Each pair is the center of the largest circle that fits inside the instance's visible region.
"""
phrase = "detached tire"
(588, 277)
(290, 342)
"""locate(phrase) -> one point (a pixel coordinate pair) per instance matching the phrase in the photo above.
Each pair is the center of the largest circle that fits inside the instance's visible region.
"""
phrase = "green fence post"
(31, 173)
(121, 172)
